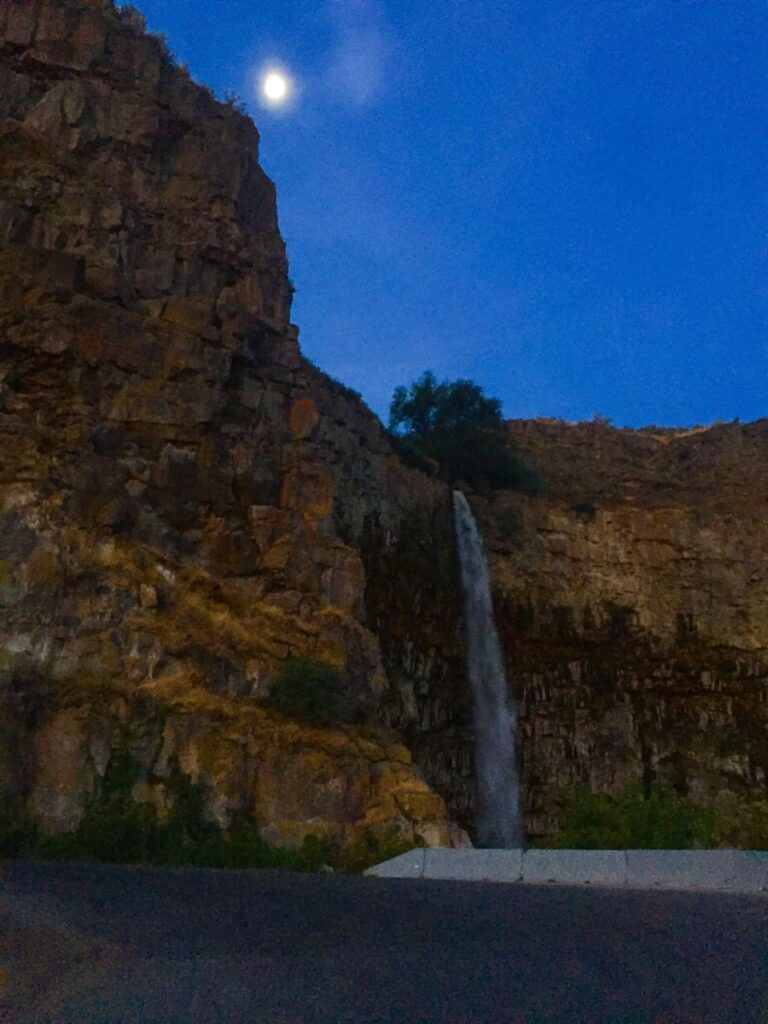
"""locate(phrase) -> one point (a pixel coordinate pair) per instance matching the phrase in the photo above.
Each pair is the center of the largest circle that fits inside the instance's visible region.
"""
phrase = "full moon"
(274, 87)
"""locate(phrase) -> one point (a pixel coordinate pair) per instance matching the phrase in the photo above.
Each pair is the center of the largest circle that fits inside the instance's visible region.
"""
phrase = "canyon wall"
(185, 503)
(182, 496)
(632, 600)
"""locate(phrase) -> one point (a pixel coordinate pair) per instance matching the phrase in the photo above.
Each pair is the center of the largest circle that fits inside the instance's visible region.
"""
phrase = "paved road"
(105, 945)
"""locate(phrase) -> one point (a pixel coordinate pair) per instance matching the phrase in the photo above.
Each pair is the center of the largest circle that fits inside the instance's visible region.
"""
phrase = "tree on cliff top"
(460, 428)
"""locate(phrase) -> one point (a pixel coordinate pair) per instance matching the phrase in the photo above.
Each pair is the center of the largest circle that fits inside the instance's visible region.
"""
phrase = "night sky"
(564, 200)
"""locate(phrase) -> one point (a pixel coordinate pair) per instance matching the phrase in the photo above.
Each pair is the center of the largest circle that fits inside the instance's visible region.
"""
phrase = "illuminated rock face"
(185, 502)
(167, 529)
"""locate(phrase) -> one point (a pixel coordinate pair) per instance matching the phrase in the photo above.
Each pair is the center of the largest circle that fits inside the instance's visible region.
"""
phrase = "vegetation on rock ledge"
(454, 424)
(118, 829)
(662, 820)
(311, 690)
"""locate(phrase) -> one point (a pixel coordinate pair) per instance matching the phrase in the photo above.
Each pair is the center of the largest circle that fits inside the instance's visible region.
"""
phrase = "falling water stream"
(498, 820)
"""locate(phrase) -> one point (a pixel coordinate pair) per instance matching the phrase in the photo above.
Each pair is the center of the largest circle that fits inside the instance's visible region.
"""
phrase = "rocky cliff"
(632, 600)
(185, 503)
(182, 496)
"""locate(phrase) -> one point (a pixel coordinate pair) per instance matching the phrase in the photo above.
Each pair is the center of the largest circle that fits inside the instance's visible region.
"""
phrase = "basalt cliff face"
(185, 502)
(633, 604)
(183, 499)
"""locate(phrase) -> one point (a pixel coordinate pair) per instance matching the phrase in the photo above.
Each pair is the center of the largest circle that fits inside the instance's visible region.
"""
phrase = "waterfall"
(498, 792)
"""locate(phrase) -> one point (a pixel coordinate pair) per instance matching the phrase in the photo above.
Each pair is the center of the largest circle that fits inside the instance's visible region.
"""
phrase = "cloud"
(360, 53)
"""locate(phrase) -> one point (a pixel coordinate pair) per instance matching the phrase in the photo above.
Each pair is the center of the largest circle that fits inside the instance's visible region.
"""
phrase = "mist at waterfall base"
(498, 820)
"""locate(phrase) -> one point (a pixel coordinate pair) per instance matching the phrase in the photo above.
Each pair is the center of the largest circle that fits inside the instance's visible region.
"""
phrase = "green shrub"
(311, 690)
(661, 820)
(109, 832)
(372, 849)
(242, 847)
(116, 829)
(739, 822)
(137, 837)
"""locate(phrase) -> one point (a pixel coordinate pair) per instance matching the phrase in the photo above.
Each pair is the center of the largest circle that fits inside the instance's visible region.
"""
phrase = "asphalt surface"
(94, 944)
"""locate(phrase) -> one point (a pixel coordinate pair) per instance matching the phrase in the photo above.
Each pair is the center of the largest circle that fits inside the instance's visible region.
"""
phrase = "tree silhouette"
(460, 428)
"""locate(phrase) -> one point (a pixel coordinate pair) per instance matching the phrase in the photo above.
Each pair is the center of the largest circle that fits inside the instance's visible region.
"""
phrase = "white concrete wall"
(734, 870)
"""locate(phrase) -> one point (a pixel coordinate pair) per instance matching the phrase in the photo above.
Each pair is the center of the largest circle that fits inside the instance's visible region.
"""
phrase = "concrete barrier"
(751, 870)
(714, 870)
(406, 865)
(606, 867)
(474, 865)
(680, 869)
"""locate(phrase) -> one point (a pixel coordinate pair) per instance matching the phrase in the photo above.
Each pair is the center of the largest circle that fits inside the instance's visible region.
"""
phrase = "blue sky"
(563, 200)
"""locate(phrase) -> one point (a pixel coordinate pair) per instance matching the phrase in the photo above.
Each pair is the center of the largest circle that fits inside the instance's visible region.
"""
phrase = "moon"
(275, 88)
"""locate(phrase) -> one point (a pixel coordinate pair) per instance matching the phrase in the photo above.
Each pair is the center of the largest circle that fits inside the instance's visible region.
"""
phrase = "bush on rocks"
(311, 690)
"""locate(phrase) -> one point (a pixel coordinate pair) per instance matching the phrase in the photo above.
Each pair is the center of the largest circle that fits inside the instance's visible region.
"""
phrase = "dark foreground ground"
(101, 944)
